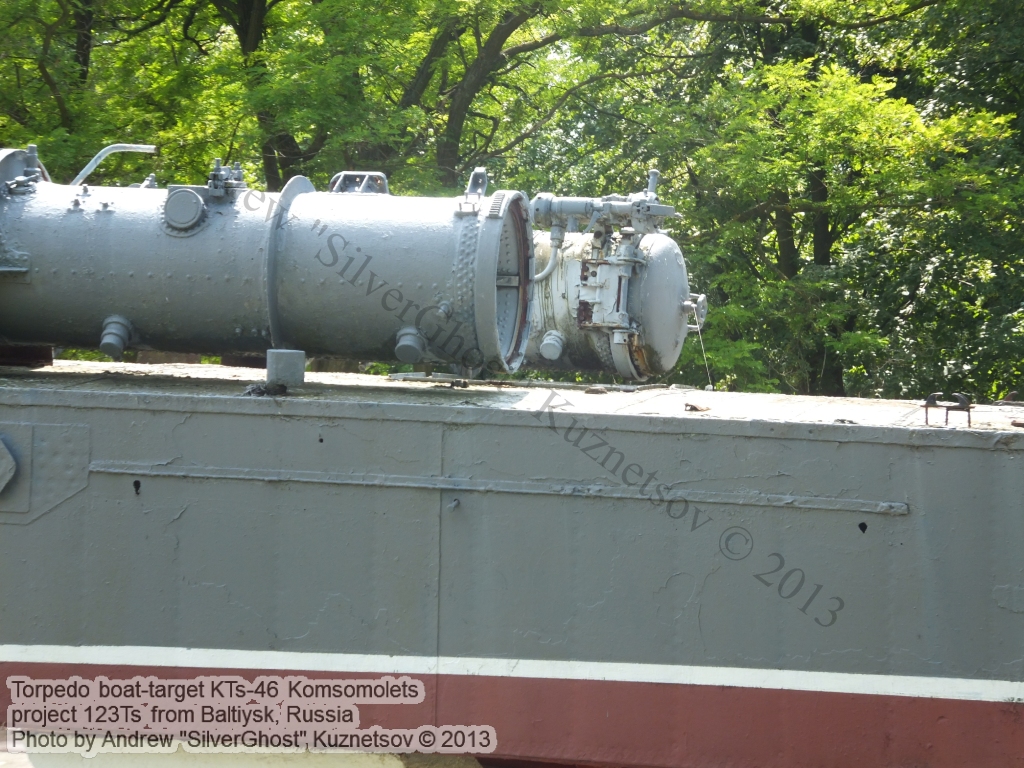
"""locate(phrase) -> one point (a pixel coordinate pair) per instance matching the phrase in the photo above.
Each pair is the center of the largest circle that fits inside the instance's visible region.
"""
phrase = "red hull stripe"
(733, 677)
(750, 722)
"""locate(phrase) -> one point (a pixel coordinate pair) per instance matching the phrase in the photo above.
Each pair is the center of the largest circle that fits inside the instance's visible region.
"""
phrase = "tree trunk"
(489, 58)
(248, 18)
(450, 140)
(826, 371)
(822, 232)
(789, 258)
(271, 173)
(83, 15)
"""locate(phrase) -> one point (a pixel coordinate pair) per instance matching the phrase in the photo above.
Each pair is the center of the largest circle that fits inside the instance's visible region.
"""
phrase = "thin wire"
(701, 337)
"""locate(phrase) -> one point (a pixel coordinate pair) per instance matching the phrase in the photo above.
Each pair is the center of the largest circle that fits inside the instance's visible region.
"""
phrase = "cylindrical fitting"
(184, 209)
(411, 346)
(557, 236)
(551, 345)
(658, 319)
(546, 208)
(652, 182)
(244, 271)
(117, 333)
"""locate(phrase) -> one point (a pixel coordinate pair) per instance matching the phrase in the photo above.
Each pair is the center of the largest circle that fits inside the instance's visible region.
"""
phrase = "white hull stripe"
(734, 677)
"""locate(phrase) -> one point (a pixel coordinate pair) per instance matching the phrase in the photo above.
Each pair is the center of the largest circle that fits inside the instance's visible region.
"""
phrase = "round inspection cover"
(657, 302)
(184, 208)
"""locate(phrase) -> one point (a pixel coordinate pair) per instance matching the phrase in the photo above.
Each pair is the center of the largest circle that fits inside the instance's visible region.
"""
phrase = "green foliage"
(849, 174)
(856, 233)
(385, 369)
(905, 194)
(92, 355)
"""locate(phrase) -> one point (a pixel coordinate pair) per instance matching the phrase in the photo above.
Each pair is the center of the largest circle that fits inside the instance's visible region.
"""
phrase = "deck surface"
(671, 402)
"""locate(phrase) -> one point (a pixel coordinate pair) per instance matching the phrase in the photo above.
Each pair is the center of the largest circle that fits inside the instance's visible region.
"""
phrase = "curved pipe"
(549, 267)
(102, 154)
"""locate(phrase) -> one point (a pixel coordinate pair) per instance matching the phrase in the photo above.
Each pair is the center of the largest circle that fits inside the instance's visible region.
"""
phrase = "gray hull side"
(331, 525)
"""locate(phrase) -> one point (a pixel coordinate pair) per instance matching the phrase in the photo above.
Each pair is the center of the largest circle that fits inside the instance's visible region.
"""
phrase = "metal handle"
(698, 305)
(101, 155)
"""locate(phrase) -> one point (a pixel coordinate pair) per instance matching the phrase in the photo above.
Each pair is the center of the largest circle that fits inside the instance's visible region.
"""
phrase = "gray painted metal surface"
(655, 306)
(616, 297)
(223, 269)
(362, 516)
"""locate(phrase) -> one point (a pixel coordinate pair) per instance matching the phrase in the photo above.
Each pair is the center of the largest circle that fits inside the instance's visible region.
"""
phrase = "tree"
(799, 169)
(848, 173)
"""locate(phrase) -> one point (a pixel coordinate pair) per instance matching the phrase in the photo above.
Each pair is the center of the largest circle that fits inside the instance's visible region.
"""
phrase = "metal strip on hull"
(746, 499)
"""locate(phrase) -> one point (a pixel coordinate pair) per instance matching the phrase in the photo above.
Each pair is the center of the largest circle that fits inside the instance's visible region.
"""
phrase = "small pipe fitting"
(652, 182)
(552, 344)
(411, 346)
(117, 333)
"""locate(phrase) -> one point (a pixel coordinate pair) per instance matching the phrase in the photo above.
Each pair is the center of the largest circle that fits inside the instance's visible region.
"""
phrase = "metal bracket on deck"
(963, 403)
